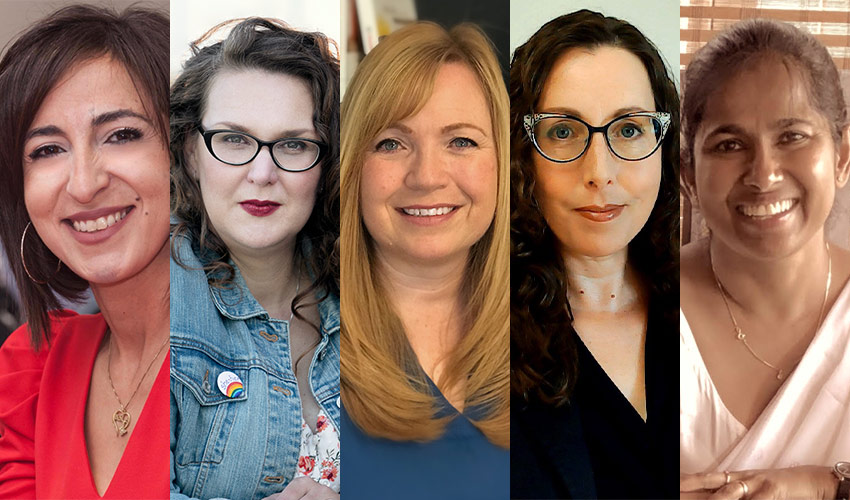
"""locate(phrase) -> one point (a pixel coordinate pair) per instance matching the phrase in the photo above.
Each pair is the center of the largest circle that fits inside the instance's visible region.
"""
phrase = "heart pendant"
(121, 420)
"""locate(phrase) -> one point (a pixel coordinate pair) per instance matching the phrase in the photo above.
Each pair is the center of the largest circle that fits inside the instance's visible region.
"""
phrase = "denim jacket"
(245, 446)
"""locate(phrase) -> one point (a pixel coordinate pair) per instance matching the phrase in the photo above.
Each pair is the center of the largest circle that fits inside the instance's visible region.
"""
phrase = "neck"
(137, 310)
(270, 276)
(601, 284)
(425, 283)
(783, 288)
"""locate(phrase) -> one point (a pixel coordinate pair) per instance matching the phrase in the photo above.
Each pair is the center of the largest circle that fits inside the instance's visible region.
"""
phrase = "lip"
(102, 235)
(259, 208)
(597, 213)
(427, 220)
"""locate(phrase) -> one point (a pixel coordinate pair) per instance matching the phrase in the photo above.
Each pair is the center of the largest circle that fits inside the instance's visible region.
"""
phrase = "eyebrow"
(731, 129)
(444, 130)
(239, 128)
(615, 114)
(97, 121)
(455, 126)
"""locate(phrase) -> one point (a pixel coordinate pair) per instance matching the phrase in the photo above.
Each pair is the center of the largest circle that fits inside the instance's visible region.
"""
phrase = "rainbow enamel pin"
(230, 385)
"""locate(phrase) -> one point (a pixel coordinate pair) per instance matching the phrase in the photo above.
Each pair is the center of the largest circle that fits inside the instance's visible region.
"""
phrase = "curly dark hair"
(543, 352)
(31, 66)
(270, 45)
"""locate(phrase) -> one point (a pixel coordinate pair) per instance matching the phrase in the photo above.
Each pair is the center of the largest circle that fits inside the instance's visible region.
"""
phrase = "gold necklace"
(743, 336)
(121, 418)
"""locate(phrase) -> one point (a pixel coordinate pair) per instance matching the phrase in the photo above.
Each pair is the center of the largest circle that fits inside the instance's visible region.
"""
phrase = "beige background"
(20, 14)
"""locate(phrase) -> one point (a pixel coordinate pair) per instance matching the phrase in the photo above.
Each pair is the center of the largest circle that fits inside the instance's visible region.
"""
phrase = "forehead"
(259, 99)
(89, 88)
(766, 90)
(596, 82)
(457, 96)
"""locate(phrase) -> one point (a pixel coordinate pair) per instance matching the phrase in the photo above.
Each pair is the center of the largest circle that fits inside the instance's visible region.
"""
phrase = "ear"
(842, 167)
(688, 184)
(189, 150)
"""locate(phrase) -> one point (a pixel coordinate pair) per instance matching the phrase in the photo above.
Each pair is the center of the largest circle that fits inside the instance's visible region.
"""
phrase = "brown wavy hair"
(544, 363)
(269, 45)
(384, 389)
(31, 66)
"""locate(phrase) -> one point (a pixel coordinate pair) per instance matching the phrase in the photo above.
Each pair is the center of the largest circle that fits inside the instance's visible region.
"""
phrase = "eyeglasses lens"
(238, 149)
(629, 137)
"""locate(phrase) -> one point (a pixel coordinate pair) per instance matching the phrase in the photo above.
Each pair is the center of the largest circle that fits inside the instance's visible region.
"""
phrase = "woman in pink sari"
(765, 324)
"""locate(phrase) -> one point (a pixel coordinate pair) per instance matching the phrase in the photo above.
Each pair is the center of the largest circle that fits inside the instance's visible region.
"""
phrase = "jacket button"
(337, 402)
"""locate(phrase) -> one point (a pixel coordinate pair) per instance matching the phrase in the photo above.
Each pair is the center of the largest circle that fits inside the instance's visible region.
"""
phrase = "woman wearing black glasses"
(254, 278)
(594, 163)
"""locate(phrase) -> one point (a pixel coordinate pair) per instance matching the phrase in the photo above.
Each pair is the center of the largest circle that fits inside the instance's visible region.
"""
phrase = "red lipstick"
(598, 213)
(259, 208)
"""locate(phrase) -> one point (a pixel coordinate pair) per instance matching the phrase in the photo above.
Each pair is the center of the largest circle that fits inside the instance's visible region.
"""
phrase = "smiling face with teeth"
(96, 174)
(765, 161)
(429, 182)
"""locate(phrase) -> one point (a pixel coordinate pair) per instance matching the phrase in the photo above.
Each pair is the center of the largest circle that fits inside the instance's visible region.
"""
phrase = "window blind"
(827, 20)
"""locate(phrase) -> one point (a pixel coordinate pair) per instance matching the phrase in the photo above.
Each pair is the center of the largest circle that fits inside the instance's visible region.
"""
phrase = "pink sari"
(806, 423)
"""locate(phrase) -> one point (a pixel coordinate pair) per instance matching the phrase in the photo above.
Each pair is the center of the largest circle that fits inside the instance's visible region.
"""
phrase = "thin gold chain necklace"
(780, 374)
(121, 418)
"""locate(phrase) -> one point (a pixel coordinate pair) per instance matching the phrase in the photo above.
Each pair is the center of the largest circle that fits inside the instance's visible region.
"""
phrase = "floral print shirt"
(319, 457)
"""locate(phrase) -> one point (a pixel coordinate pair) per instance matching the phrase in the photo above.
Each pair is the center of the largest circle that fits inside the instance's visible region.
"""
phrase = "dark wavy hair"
(543, 353)
(30, 68)
(269, 45)
(724, 56)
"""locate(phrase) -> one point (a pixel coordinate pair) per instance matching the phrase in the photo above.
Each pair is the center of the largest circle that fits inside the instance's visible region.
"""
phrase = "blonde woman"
(424, 269)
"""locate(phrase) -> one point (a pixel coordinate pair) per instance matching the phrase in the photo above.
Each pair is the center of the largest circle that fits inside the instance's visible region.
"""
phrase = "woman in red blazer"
(84, 404)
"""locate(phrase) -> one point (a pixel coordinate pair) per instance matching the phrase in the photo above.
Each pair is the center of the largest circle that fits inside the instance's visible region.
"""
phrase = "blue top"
(462, 465)
(240, 445)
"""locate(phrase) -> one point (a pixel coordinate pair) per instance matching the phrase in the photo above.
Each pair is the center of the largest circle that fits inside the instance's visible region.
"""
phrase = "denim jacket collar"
(237, 303)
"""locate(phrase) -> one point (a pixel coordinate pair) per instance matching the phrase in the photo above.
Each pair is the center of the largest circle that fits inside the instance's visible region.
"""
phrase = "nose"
(598, 164)
(262, 170)
(427, 170)
(87, 176)
(765, 169)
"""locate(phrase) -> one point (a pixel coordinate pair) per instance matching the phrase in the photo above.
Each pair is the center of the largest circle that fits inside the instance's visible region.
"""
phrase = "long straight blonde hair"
(384, 389)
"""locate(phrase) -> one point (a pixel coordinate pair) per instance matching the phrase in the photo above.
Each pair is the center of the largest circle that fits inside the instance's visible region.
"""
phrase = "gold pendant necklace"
(121, 418)
(740, 335)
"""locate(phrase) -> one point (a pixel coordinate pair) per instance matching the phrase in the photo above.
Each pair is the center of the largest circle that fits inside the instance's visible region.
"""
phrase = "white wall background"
(192, 18)
(657, 19)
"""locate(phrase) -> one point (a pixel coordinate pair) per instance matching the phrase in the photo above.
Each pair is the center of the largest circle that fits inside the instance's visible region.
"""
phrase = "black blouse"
(598, 446)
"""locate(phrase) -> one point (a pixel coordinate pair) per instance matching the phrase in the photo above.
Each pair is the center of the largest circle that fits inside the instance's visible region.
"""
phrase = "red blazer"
(42, 413)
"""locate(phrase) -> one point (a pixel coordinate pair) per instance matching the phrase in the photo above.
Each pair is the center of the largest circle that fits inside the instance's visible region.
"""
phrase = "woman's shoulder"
(66, 327)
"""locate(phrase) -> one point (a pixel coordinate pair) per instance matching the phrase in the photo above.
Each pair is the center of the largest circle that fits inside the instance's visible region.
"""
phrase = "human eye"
(792, 137)
(463, 143)
(727, 146)
(293, 147)
(628, 130)
(234, 139)
(561, 131)
(46, 151)
(388, 145)
(124, 135)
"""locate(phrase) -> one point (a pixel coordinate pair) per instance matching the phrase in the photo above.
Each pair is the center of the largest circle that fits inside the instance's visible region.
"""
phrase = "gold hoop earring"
(24, 262)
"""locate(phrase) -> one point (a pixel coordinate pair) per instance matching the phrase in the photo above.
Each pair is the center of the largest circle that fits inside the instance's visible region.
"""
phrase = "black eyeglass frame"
(208, 135)
(529, 121)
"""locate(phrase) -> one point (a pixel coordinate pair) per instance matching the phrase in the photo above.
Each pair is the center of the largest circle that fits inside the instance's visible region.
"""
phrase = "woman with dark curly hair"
(254, 278)
(594, 238)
